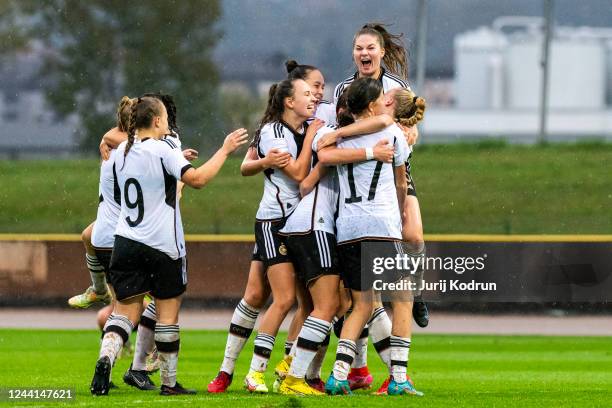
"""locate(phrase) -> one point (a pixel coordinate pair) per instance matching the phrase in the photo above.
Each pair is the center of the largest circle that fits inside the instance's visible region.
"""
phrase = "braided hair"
(409, 108)
(396, 56)
(124, 110)
(141, 117)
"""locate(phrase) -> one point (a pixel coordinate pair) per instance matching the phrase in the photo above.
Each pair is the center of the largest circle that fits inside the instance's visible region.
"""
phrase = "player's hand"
(278, 159)
(410, 133)
(383, 151)
(104, 150)
(234, 140)
(314, 127)
(190, 154)
(329, 139)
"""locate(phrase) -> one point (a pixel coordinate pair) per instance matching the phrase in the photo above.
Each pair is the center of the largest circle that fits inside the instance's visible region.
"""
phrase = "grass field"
(458, 371)
(463, 188)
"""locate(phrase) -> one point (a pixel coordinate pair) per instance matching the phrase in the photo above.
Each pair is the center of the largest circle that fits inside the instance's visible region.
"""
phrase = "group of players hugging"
(336, 179)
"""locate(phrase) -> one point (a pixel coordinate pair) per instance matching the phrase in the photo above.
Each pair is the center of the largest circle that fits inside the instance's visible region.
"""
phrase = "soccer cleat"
(152, 363)
(337, 387)
(176, 390)
(383, 388)
(297, 386)
(316, 383)
(138, 379)
(282, 368)
(360, 378)
(255, 382)
(220, 383)
(420, 313)
(405, 388)
(90, 297)
(101, 379)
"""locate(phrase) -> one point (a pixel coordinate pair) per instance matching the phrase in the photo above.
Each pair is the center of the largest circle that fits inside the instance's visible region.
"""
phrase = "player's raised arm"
(197, 178)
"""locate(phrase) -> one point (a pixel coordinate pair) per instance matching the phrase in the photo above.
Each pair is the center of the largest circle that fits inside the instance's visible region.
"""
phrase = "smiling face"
(317, 84)
(367, 55)
(303, 103)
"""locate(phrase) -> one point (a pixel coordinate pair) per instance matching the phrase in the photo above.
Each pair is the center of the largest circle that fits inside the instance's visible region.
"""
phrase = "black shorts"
(313, 255)
(104, 257)
(410, 180)
(136, 268)
(354, 273)
(270, 246)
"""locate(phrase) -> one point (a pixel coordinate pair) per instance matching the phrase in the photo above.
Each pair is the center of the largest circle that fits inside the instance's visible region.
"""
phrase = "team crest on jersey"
(282, 249)
(321, 220)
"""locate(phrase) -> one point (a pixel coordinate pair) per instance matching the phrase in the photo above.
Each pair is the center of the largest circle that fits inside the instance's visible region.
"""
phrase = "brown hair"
(396, 57)
(124, 110)
(409, 108)
(276, 104)
(141, 117)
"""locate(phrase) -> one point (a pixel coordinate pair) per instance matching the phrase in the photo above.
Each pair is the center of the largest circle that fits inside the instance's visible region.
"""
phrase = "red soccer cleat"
(383, 388)
(221, 382)
(316, 383)
(360, 378)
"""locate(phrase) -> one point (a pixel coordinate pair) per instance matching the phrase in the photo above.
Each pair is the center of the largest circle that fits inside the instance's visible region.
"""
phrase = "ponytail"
(124, 110)
(409, 108)
(396, 56)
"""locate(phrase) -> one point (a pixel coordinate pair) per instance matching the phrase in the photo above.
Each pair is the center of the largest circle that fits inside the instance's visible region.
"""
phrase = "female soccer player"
(257, 290)
(149, 249)
(374, 46)
(311, 242)
(282, 127)
(370, 203)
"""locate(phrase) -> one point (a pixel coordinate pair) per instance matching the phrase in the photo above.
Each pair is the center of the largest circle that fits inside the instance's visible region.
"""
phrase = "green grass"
(452, 370)
(463, 188)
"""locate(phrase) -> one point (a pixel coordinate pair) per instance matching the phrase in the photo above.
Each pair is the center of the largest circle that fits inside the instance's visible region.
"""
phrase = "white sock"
(380, 331)
(314, 370)
(400, 348)
(344, 357)
(145, 338)
(264, 343)
(168, 341)
(361, 358)
(241, 327)
(293, 350)
(96, 271)
(311, 336)
(117, 331)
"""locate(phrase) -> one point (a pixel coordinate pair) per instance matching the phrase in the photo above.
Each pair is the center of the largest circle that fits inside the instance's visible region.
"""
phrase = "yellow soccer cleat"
(256, 382)
(282, 368)
(84, 300)
(297, 386)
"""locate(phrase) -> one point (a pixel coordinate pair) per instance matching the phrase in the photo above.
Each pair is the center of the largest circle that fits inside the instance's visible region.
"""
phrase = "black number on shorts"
(139, 203)
(354, 198)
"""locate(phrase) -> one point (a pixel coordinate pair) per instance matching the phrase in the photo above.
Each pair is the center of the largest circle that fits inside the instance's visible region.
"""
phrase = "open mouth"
(366, 63)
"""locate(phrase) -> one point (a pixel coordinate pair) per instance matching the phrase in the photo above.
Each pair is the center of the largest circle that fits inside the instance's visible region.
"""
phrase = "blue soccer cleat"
(406, 387)
(337, 387)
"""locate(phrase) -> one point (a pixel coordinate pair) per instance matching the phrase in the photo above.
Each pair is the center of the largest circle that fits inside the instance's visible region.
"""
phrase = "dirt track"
(440, 322)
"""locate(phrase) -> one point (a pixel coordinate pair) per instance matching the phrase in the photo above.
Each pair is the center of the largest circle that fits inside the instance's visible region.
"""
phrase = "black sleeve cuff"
(185, 168)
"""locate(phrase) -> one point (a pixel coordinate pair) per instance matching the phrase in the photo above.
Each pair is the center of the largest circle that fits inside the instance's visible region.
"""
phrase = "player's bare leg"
(256, 295)
(282, 282)
(412, 235)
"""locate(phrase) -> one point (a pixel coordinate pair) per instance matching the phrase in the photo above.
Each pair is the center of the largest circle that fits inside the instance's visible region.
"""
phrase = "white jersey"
(368, 200)
(326, 111)
(150, 211)
(388, 81)
(109, 207)
(316, 211)
(281, 193)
